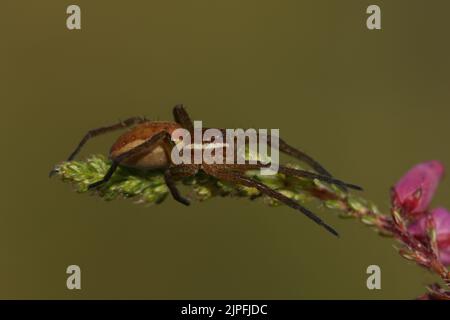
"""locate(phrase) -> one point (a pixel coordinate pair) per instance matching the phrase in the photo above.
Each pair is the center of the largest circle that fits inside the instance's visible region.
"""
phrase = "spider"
(148, 146)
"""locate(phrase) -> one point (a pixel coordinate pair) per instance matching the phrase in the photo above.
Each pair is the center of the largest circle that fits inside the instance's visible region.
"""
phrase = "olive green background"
(367, 104)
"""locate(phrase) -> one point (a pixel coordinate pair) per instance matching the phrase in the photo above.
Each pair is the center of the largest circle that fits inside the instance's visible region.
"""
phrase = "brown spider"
(148, 146)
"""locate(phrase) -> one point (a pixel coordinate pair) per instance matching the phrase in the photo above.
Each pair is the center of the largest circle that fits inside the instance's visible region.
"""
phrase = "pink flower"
(414, 191)
(441, 219)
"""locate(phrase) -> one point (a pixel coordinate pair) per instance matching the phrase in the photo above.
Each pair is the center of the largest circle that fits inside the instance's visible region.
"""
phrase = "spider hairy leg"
(177, 172)
(239, 178)
(312, 175)
(297, 173)
(168, 178)
(299, 155)
(99, 131)
(182, 117)
(302, 156)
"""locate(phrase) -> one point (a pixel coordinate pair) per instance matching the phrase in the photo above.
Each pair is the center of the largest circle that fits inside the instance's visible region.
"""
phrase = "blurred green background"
(367, 104)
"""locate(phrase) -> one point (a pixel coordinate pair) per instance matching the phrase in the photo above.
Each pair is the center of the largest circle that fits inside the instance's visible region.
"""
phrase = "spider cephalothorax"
(148, 145)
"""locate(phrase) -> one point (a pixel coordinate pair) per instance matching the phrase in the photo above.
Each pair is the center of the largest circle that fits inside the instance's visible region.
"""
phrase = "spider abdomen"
(155, 159)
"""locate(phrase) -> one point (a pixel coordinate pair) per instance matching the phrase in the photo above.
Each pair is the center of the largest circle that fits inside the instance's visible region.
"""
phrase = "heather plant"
(422, 233)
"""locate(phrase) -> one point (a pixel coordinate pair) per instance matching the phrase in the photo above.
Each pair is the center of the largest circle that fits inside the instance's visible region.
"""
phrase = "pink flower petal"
(441, 218)
(415, 190)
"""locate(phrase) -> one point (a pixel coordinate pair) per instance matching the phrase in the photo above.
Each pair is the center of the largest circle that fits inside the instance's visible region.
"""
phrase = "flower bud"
(414, 191)
(441, 220)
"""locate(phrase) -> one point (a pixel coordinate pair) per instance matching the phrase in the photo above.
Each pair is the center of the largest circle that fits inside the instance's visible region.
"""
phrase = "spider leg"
(176, 172)
(238, 178)
(182, 117)
(106, 177)
(296, 153)
(312, 175)
(148, 145)
(98, 131)
(297, 173)
(302, 156)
